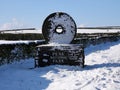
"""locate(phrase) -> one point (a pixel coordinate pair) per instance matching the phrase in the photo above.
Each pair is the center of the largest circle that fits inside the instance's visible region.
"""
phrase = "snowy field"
(102, 72)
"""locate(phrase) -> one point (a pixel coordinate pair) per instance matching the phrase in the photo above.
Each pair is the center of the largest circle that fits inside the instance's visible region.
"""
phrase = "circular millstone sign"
(59, 28)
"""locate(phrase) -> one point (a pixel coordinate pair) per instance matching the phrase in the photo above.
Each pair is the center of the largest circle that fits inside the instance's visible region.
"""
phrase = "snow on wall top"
(18, 42)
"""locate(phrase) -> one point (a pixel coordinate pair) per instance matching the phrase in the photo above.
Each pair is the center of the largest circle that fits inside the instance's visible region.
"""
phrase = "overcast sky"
(31, 13)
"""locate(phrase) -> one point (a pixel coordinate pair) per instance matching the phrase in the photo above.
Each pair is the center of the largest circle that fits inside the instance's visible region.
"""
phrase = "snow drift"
(102, 72)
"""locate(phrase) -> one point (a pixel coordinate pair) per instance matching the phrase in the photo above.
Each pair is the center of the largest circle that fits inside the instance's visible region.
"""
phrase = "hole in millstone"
(59, 29)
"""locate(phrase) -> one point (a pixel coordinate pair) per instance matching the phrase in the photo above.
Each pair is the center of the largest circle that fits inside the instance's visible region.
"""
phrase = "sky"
(32, 13)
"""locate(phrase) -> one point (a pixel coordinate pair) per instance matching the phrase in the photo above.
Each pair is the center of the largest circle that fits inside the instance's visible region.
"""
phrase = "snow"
(78, 31)
(102, 72)
(98, 30)
(57, 44)
(23, 31)
(62, 46)
(18, 41)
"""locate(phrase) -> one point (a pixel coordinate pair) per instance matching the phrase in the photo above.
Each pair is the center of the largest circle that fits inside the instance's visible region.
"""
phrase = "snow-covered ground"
(102, 72)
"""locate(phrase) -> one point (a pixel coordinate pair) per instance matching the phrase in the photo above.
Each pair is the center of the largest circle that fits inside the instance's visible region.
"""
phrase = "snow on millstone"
(102, 72)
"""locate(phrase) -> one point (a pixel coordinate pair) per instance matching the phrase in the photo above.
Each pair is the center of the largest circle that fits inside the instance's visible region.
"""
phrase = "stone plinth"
(63, 54)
